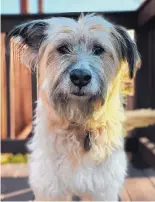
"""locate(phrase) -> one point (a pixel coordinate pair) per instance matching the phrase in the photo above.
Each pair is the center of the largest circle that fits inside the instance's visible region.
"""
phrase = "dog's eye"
(98, 50)
(63, 49)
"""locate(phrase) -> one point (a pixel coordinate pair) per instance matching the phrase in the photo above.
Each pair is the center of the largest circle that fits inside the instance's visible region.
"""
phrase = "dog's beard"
(76, 111)
(74, 104)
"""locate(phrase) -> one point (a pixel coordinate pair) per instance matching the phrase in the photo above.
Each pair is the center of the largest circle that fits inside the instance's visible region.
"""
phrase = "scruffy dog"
(77, 147)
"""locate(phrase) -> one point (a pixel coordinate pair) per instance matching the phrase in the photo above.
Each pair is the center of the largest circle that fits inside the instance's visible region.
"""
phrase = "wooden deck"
(139, 184)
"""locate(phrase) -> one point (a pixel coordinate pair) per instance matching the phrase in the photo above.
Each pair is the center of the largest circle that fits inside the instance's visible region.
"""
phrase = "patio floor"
(139, 184)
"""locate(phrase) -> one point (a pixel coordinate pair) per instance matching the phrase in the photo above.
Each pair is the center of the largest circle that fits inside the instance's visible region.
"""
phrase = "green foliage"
(11, 158)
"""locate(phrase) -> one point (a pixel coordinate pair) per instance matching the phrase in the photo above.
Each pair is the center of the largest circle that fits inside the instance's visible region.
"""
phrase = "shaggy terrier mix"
(77, 147)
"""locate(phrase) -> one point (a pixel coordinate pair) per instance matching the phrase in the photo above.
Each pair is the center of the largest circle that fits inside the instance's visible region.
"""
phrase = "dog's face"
(77, 60)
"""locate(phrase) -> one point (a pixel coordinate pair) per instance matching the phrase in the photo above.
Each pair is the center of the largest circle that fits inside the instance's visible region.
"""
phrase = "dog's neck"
(104, 126)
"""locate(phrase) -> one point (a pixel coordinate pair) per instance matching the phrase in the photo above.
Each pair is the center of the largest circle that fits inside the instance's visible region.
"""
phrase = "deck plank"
(124, 196)
(150, 173)
(14, 170)
(139, 186)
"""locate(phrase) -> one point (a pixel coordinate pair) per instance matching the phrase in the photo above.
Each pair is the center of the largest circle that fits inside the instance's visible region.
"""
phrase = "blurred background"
(19, 91)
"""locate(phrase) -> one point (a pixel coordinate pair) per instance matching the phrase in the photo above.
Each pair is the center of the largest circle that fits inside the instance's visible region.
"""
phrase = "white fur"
(53, 174)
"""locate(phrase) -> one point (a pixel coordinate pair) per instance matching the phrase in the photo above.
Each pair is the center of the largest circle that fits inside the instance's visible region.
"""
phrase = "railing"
(19, 84)
(16, 82)
(17, 93)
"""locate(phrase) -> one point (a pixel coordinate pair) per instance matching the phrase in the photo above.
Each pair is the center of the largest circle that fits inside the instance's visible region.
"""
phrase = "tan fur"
(107, 119)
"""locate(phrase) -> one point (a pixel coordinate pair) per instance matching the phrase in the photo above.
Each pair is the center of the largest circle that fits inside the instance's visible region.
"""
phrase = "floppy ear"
(32, 33)
(126, 49)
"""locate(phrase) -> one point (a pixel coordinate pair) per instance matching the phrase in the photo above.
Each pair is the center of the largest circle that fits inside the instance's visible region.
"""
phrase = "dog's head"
(77, 60)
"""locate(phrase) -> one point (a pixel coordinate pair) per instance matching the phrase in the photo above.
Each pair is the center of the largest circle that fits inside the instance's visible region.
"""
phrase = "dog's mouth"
(81, 94)
(78, 94)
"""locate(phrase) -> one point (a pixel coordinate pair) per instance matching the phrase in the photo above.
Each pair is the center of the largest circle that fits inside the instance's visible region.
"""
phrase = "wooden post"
(24, 6)
(12, 91)
(20, 91)
(40, 6)
(3, 89)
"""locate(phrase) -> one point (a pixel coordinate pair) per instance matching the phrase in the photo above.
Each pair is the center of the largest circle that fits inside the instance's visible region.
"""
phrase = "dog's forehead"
(88, 25)
(93, 22)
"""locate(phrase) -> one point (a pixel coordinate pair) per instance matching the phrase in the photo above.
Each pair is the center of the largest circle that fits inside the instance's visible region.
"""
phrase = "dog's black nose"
(80, 77)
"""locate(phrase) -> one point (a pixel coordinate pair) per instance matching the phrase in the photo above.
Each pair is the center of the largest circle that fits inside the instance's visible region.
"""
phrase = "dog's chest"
(78, 138)
(71, 151)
